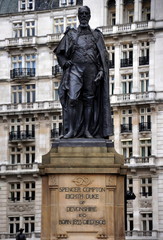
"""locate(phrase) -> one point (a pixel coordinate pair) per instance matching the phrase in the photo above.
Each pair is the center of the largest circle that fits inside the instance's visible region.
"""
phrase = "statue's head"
(84, 15)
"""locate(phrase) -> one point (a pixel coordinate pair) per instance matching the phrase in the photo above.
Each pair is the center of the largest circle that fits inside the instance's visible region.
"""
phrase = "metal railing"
(144, 126)
(32, 235)
(125, 128)
(127, 62)
(144, 60)
(56, 70)
(21, 135)
(22, 72)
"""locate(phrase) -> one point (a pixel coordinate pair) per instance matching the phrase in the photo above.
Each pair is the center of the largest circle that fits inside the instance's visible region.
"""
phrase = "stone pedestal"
(82, 191)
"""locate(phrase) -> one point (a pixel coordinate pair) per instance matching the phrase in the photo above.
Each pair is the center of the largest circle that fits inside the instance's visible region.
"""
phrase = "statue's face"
(84, 17)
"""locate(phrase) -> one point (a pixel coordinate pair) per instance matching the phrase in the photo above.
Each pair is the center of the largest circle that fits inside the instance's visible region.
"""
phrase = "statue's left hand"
(98, 77)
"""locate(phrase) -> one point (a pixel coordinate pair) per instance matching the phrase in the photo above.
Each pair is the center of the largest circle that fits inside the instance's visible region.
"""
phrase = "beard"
(84, 23)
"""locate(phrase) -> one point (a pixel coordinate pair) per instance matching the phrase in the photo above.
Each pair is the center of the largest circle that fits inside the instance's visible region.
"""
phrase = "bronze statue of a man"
(84, 88)
(21, 235)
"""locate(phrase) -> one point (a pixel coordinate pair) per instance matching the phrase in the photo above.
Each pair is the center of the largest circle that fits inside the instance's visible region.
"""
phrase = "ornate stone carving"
(146, 204)
(62, 236)
(21, 208)
(82, 181)
(130, 204)
(102, 236)
(52, 180)
(111, 181)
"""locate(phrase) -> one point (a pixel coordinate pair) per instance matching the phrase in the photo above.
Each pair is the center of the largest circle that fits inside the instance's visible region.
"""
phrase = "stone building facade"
(30, 112)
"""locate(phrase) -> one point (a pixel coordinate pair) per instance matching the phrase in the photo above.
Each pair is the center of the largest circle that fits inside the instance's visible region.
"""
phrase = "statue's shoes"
(70, 134)
(87, 134)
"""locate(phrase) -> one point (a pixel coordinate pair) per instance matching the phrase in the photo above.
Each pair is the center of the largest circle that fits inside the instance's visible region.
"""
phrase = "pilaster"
(119, 11)
(117, 122)
(153, 9)
(137, 10)
(117, 67)
(154, 129)
(152, 65)
(135, 131)
(135, 66)
(155, 203)
(136, 188)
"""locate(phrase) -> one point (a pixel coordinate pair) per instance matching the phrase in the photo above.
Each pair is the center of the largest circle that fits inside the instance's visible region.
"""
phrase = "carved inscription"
(82, 203)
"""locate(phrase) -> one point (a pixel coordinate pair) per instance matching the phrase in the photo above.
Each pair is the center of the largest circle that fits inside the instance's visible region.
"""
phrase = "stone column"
(117, 122)
(116, 69)
(119, 11)
(136, 190)
(4, 151)
(105, 13)
(137, 10)
(135, 66)
(154, 130)
(152, 65)
(135, 131)
(153, 9)
(155, 203)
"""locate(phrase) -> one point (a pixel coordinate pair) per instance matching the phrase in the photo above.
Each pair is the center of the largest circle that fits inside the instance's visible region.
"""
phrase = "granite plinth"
(82, 191)
(83, 142)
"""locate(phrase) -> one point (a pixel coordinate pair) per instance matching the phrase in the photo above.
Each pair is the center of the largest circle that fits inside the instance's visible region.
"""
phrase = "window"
(15, 124)
(130, 16)
(144, 81)
(127, 83)
(146, 222)
(56, 126)
(14, 192)
(23, 4)
(126, 125)
(30, 127)
(71, 22)
(30, 154)
(130, 222)
(111, 51)
(130, 184)
(111, 84)
(17, 30)
(113, 18)
(56, 96)
(127, 148)
(64, 3)
(26, 132)
(15, 154)
(145, 148)
(23, 66)
(24, 191)
(16, 94)
(145, 119)
(30, 28)
(29, 224)
(30, 4)
(14, 223)
(127, 55)
(146, 187)
(30, 61)
(30, 93)
(26, 5)
(58, 25)
(144, 53)
(29, 191)
(146, 14)
(17, 61)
